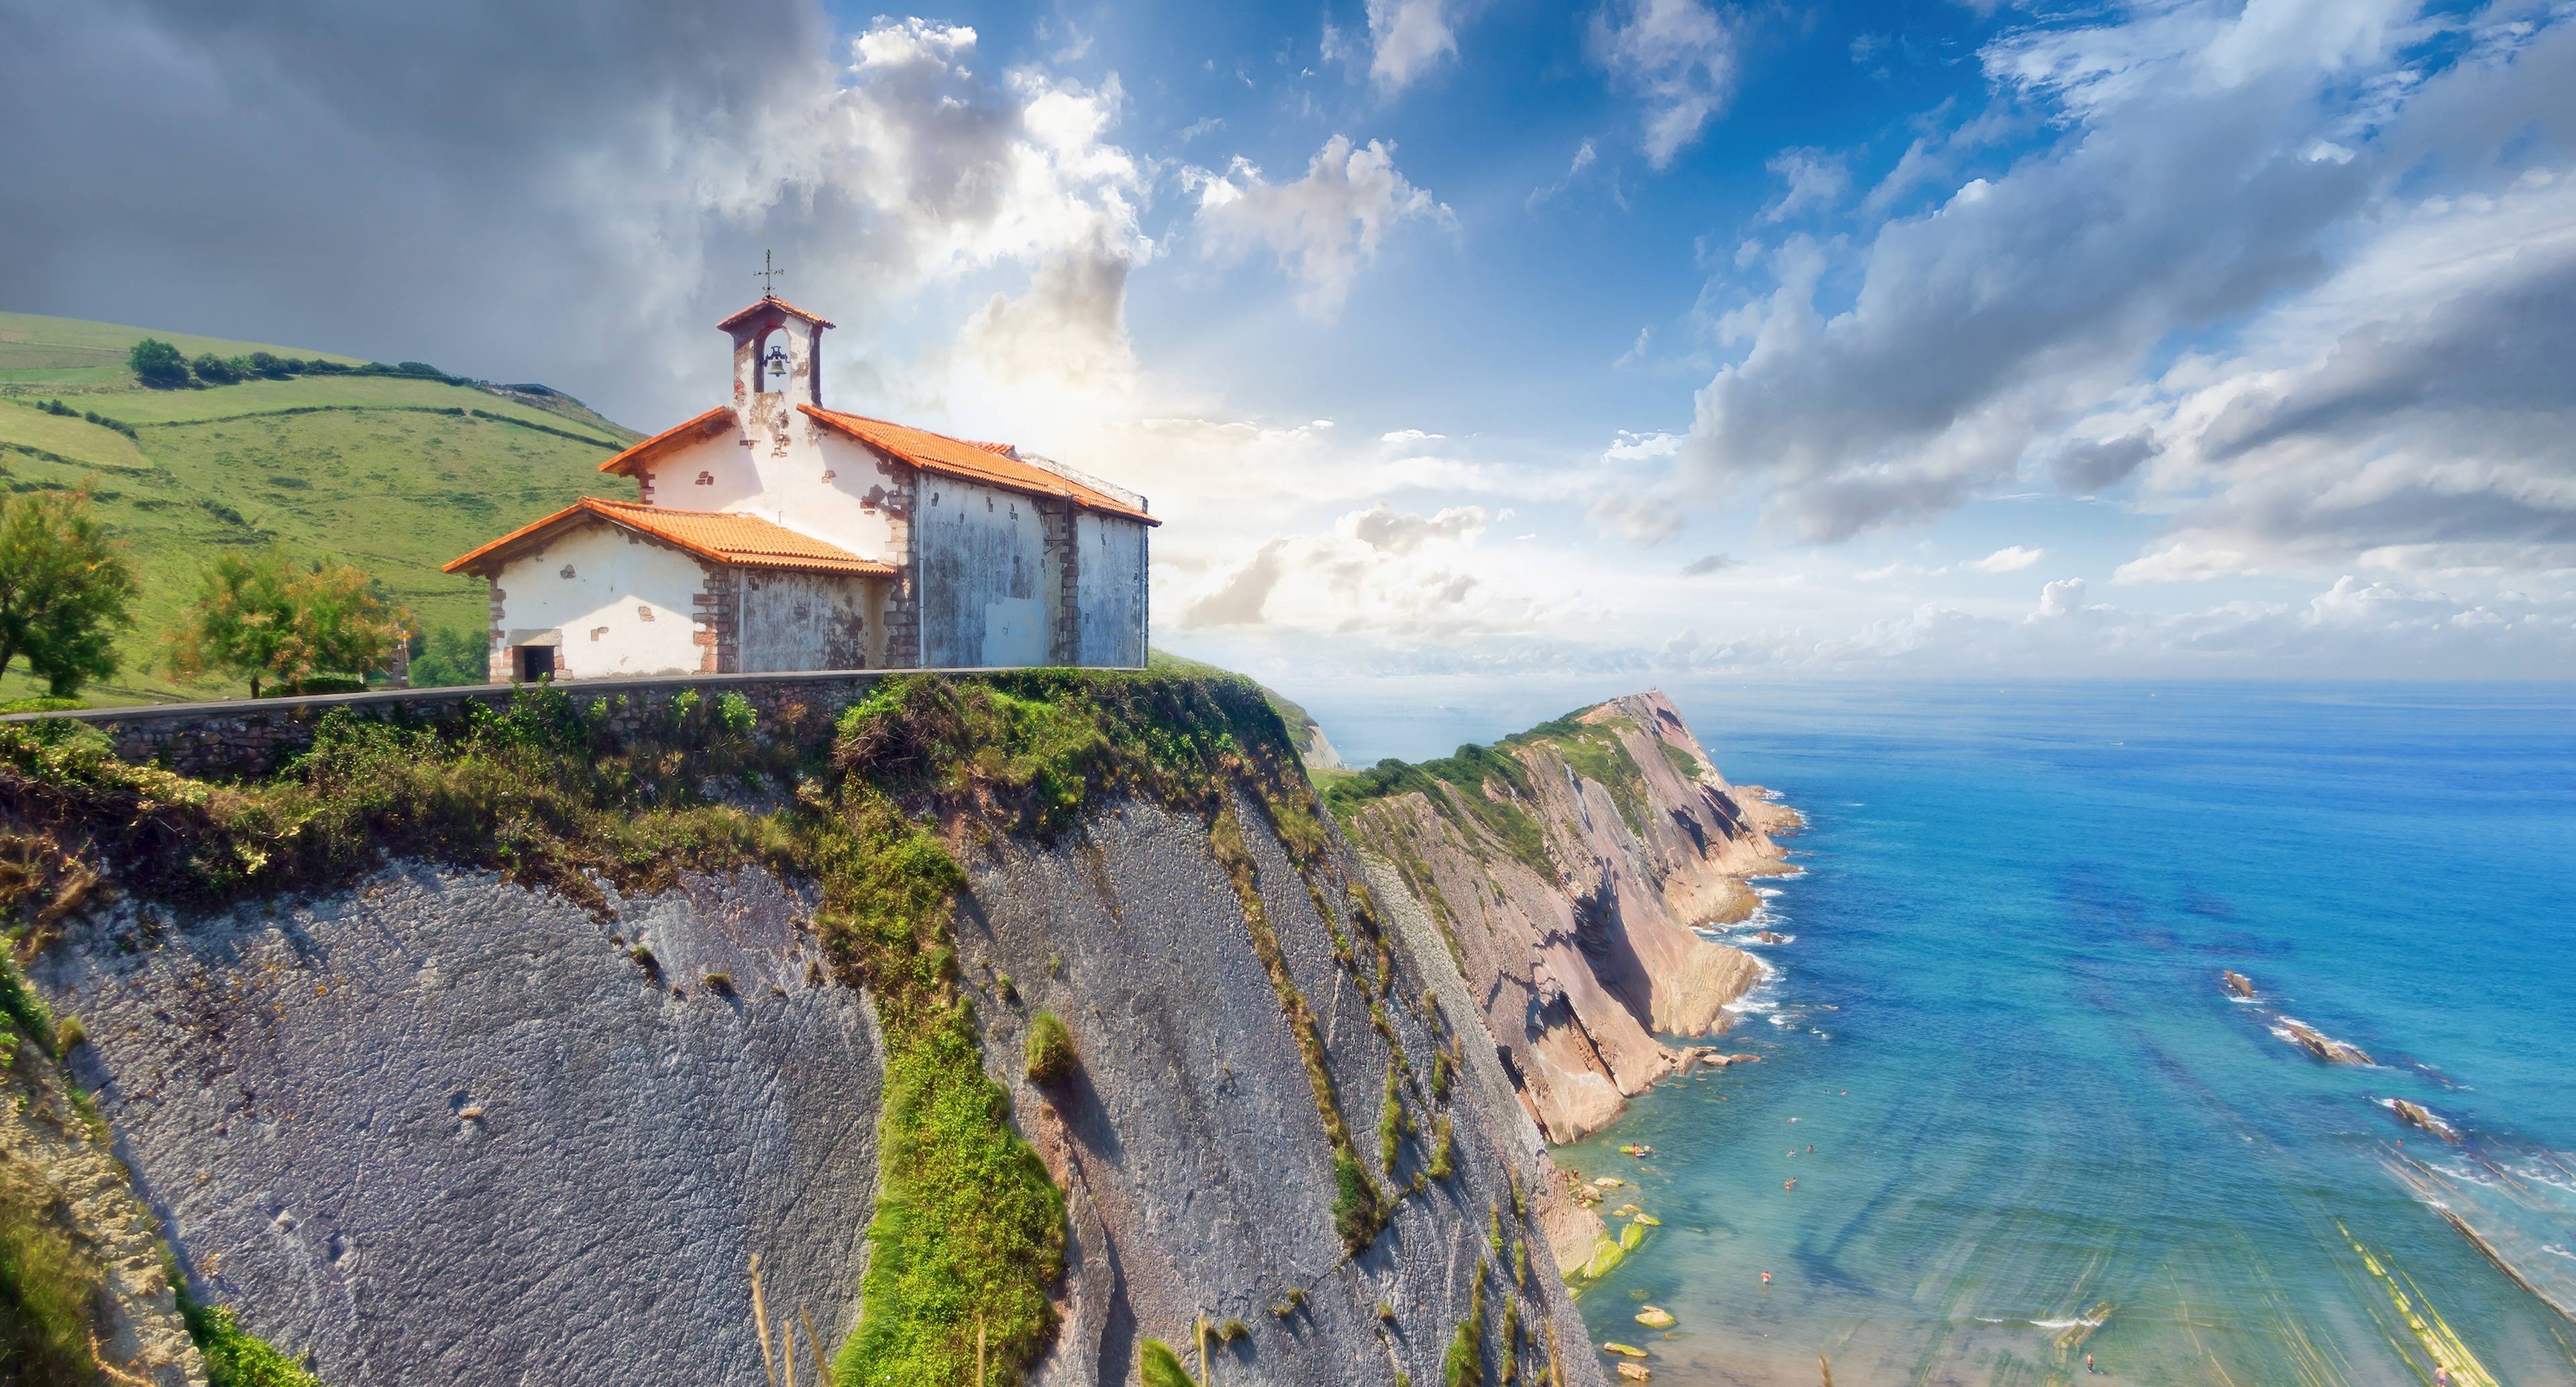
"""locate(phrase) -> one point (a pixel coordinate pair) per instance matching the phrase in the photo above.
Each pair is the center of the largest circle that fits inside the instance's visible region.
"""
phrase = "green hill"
(394, 473)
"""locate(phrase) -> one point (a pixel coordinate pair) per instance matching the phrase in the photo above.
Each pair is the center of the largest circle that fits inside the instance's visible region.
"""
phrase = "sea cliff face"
(494, 1054)
(1564, 870)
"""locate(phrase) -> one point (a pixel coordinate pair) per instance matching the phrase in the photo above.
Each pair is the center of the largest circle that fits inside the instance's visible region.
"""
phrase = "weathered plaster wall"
(1110, 563)
(713, 473)
(610, 602)
(443, 1130)
(793, 621)
(986, 590)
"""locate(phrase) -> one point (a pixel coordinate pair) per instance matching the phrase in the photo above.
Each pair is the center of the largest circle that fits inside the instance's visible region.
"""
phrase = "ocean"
(2024, 1120)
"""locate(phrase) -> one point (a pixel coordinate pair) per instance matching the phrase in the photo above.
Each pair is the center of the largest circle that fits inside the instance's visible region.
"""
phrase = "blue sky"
(2187, 337)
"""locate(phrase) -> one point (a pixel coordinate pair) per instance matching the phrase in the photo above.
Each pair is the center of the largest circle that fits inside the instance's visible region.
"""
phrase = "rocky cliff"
(494, 1051)
(1564, 870)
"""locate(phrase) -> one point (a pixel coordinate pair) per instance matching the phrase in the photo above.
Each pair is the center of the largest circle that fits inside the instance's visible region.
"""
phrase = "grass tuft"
(1052, 1058)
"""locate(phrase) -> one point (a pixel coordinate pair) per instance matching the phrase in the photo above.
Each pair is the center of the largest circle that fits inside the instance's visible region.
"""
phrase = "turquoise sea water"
(1998, 1023)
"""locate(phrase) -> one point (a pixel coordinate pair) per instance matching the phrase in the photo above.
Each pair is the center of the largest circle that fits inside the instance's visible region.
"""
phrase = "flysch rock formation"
(442, 1129)
(1192, 1153)
(1577, 972)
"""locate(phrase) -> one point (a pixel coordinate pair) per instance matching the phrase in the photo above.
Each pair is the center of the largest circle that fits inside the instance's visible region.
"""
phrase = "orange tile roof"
(686, 431)
(773, 301)
(744, 541)
(988, 463)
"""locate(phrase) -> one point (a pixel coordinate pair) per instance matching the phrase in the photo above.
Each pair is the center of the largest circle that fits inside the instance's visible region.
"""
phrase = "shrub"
(449, 658)
(158, 364)
(1051, 1054)
(234, 1358)
(1158, 1366)
(1231, 1330)
(1440, 1166)
(214, 370)
(1464, 1365)
(1358, 1213)
(270, 365)
(65, 590)
(734, 712)
(263, 616)
(46, 1287)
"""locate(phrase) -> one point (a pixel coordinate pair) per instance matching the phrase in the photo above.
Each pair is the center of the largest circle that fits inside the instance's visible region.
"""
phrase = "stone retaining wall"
(251, 736)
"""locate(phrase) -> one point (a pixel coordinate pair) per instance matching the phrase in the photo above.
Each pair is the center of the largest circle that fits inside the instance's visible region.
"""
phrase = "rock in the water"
(1655, 1317)
(1623, 1350)
(2236, 984)
(1634, 1372)
(2417, 1115)
(1769, 936)
(2321, 1045)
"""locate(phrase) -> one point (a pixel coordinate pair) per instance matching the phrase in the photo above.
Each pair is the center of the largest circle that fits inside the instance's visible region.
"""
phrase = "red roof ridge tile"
(974, 462)
(773, 301)
(757, 546)
(685, 431)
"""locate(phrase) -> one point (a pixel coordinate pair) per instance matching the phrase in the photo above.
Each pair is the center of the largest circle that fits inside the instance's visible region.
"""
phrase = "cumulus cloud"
(2007, 560)
(2091, 464)
(1378, 574)
(1677, 56)
(1815, 180)
(1384, 528)
(2345, 246)
(533, 194)
(1239, 598)
(1639, 515)
(1407, 38)
(1710, 563)
(1324, 226)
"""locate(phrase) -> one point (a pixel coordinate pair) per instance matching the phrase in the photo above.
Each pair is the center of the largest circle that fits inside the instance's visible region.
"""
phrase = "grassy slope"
(350, 468)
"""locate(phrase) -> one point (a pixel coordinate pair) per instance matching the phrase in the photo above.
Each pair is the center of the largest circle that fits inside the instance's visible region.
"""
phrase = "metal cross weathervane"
(766, 273)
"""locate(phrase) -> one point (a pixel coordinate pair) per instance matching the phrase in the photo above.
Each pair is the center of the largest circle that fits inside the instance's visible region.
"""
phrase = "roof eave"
(964, 474)
(686, 431)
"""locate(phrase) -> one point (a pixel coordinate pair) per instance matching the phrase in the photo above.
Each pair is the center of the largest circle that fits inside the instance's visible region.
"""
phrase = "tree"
(214, 370)
(264, 617)
(64, 590)
(157, 363)
(448, 657)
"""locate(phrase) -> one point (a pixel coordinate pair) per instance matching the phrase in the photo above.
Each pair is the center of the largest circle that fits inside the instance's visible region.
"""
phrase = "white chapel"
(774, 534)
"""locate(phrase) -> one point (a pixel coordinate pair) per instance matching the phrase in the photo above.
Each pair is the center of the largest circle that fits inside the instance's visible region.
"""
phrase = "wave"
(2518, 1209)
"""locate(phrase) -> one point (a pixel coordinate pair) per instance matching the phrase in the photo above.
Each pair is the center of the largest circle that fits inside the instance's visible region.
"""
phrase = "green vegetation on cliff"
(1489, 787)
(876, 805)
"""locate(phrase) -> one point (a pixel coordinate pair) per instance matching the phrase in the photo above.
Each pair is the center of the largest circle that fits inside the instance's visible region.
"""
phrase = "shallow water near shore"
(1998, 1022)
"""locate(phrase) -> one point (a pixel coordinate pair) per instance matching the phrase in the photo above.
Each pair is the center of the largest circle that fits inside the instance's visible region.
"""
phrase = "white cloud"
(1325, 226)
(2350, 347)
(1678, 56)
(2008, 560)
(1407, 38)
(1585, 156)
(1815, 180)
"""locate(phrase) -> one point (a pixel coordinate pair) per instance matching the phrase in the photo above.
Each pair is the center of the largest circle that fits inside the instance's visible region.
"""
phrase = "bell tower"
(777, 352)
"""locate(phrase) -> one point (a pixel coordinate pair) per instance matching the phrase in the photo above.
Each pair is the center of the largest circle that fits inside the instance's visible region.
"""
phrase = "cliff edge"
(1009, 1021)
(1564, 869)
